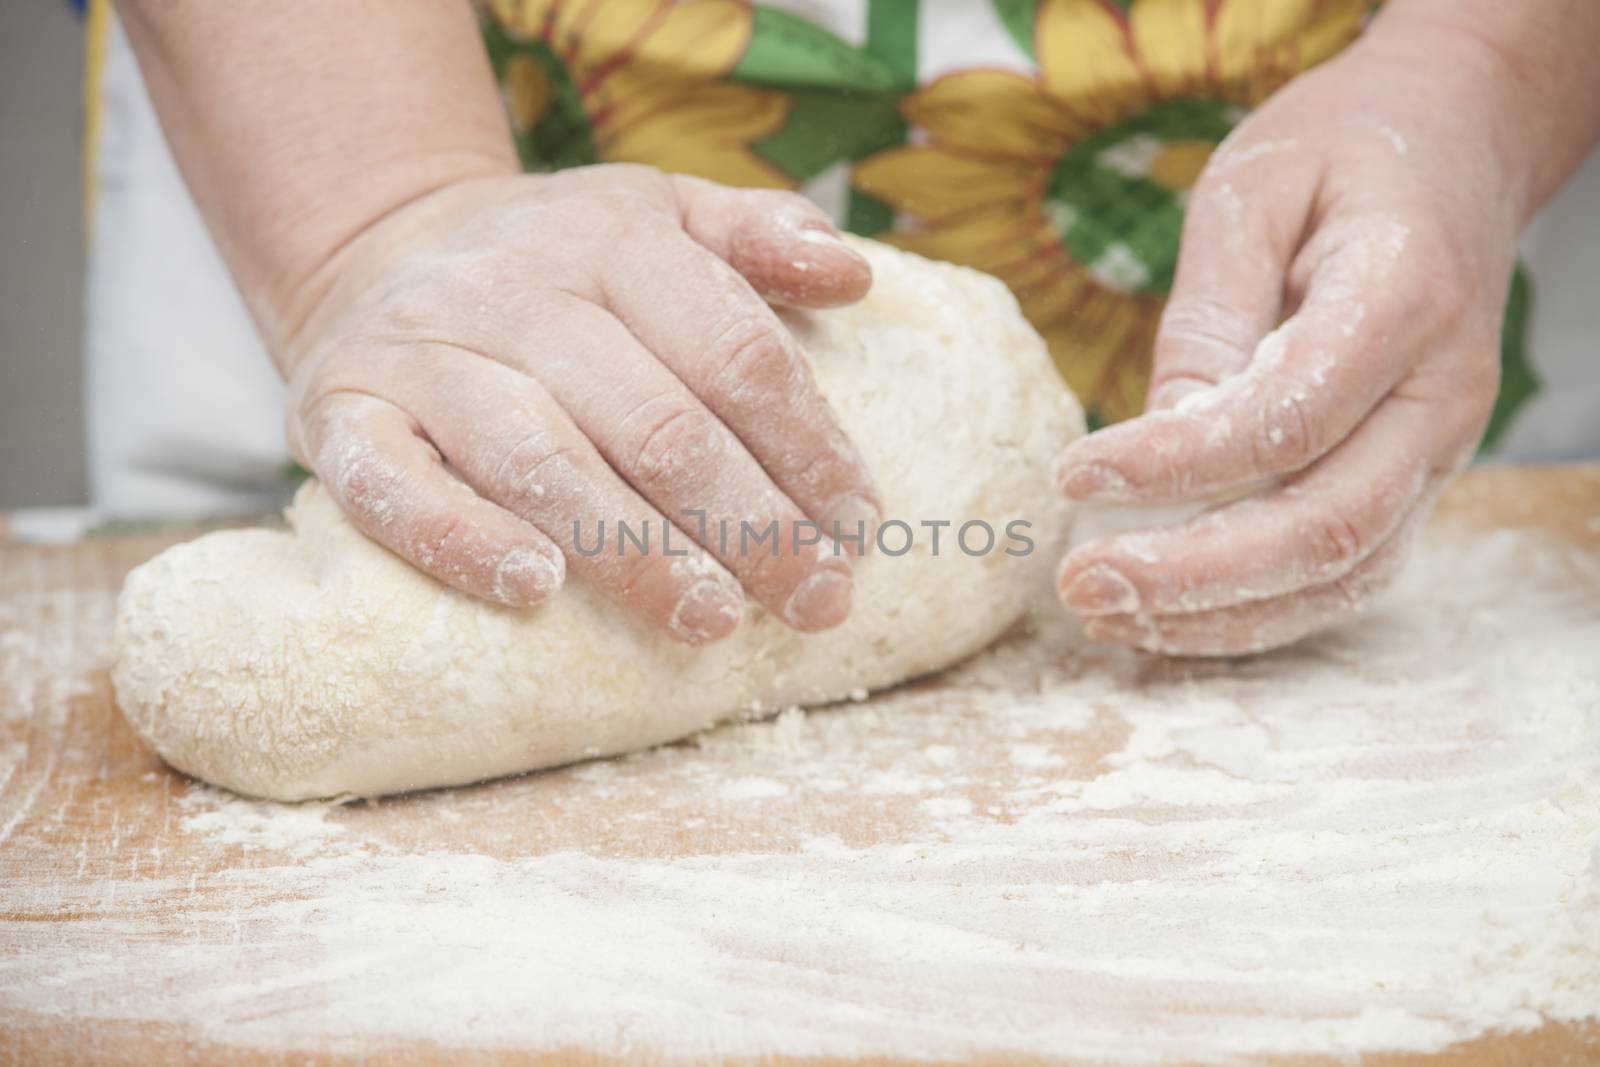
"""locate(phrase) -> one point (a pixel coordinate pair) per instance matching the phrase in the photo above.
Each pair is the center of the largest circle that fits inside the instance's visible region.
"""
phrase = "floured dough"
(314, 663)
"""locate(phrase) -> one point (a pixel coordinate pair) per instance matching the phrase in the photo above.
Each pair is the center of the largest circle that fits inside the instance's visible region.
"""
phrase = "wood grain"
(86, 809)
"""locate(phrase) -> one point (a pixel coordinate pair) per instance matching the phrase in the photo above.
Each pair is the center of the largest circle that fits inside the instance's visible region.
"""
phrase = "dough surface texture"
(313, 663)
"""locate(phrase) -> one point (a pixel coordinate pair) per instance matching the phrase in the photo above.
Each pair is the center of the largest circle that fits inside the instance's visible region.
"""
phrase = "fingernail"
(709, 611)
(1103, 590)
(821, 601)
(853, 523)
(813, 232)
(1089, 479)
(526, 576)
(817, 233)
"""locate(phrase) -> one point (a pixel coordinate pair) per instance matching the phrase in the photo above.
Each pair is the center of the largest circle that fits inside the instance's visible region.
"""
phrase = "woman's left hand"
(1375, 201)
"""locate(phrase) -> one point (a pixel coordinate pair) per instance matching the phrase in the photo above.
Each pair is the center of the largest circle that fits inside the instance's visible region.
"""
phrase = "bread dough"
(314, 663)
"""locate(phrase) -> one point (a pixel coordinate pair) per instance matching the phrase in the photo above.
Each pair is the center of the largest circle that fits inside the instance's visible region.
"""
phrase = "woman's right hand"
(510, 360)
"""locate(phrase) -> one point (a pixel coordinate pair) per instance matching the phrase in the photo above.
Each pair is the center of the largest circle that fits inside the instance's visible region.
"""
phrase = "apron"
(1051, 143)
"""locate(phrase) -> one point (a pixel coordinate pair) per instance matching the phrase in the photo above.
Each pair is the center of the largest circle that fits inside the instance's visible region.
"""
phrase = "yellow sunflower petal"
(699, 40)
(696, 114)
(686, 44)
(505, 12)
(1055, 294)
(703, 131)
(724, 162)
(992, 111)
(1127, 382)
(1085, 62)
(570, 19)
(1170, 36)
(1179, 163)
(527, 92)
(1082, 363)
(1102, 351)
(1261, 44)
(1040, 267)
(523, 18)
(989, 238)
(595, 38)
(1338, 23)
(932, 183)
(1246, 27)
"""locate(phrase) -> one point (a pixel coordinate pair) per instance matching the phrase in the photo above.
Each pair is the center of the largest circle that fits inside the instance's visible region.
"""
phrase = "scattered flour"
(1385, 838)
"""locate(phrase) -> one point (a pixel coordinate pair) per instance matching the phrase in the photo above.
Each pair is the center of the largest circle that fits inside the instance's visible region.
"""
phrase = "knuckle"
(366, 481)
(749, 356)
(1481, 386)
(537, 472)
(559, 189)
(617, 213)
(1359, 587)
(584, 216)
(1290, 435)
(363, 485)
(1336, 543)
(678, 443)
(1205, 330)
(432, 542)
(485, 279)
(827, 471)
(636, 176)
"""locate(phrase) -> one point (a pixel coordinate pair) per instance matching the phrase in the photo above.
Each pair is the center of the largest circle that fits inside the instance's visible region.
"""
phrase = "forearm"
(1536, 59)
(299, 124)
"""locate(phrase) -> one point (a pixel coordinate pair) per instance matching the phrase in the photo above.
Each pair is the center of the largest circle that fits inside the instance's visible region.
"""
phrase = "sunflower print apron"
(1064, 175)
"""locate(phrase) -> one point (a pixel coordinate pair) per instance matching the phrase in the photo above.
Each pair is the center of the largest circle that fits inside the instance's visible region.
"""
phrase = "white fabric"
(183, 408)
(959, 34)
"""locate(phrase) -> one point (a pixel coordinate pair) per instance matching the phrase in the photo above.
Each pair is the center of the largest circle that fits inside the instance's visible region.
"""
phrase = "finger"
(520, 449)
(681, 458)
(703, 321)
(785, 246)
(1308, 384)
(1260, 625)
(1240, 228)
(1311, 529)
(382, 471)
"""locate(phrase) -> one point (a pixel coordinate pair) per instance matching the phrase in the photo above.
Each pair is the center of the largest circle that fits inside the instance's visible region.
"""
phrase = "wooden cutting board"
(782, 892)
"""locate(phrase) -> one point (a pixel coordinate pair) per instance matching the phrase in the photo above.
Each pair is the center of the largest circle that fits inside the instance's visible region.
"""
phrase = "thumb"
(1244, 220)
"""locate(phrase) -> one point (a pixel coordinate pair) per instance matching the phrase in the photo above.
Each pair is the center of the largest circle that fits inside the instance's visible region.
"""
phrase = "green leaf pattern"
(845, 105)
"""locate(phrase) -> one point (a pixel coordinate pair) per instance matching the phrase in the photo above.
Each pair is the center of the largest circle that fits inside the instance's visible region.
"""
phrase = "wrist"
(301, 128)
(1514, 78)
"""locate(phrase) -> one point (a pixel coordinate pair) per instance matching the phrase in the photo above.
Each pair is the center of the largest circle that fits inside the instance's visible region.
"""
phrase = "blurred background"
(41, 254)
